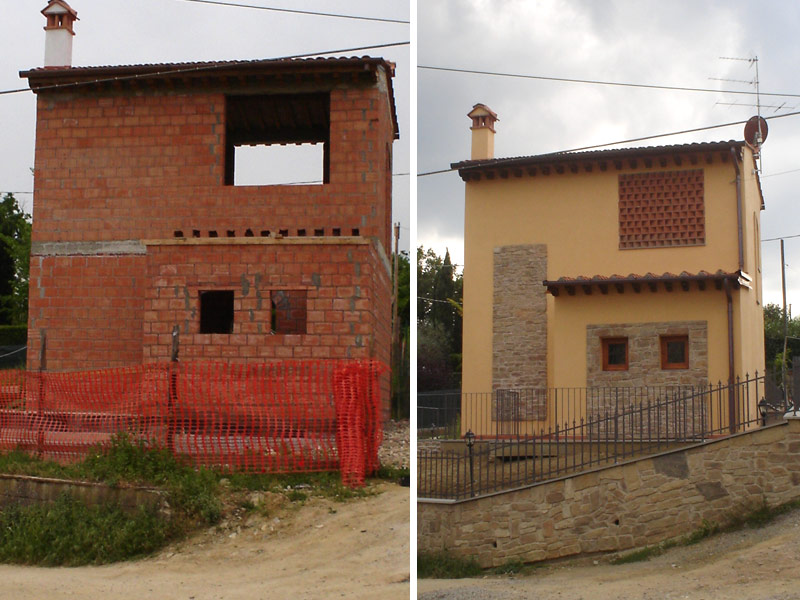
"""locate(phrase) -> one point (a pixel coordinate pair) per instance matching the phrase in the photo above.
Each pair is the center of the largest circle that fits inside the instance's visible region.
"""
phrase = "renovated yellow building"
(612, 268)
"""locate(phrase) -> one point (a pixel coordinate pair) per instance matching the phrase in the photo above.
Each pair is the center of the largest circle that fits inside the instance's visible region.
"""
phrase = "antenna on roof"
(755, 131)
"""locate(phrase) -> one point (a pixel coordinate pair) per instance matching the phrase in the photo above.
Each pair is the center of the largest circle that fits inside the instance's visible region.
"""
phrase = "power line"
(298, 12)
(196, 68)
(785, 237)
(780, 173)
(601, 82)
(628, 141)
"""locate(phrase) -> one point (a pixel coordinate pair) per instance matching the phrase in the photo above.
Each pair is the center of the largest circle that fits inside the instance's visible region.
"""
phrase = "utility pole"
(395, 324)
(785, 326)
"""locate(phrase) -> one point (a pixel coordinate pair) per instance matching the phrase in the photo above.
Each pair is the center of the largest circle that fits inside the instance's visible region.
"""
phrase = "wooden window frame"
(605, 343)
(666, 339)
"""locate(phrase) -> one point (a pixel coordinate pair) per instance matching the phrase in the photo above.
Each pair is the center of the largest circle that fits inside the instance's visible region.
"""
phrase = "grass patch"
(69, 533)
(324, 485)
(512, 566)
(445, 565)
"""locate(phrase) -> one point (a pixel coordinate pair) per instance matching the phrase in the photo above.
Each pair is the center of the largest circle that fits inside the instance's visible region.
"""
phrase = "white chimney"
(58, 34)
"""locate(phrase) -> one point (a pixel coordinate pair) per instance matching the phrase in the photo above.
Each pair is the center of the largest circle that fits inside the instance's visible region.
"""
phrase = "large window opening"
(216, 311)
(277, 139)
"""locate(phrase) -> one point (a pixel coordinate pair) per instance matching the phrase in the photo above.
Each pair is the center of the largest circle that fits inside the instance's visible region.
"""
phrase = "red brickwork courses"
(661, 209)
(137, 167)
(338, 280)
(126, 165)
(91, 308)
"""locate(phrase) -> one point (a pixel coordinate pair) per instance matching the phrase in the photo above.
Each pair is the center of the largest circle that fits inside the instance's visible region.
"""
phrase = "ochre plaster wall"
(576, 216)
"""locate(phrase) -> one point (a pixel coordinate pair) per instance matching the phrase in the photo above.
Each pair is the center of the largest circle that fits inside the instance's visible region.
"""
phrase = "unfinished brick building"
(139, 225)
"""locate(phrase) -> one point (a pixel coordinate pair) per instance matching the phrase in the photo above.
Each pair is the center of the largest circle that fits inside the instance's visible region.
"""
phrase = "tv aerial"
(756, 129)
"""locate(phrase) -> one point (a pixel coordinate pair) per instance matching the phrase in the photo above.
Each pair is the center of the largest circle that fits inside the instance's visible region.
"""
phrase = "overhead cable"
(298, 12)
(193, 69)
(600, 82)
(628, 141)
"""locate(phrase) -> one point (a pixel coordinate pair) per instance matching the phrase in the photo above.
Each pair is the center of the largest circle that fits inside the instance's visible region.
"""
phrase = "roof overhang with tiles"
(668, 282)
(230, 76)
(565, 163)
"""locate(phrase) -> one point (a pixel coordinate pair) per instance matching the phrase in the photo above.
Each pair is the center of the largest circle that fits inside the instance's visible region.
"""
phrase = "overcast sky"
(675, 43)
(119, 32)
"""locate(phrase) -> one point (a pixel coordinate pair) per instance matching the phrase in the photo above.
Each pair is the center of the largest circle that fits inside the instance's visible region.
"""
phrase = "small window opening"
(615, 354)
(674, 351)
(212, 233)
(178, 233)
(355, 231)
(265, 233)
(216, 311)
(288, 311)
(301, 233)
(248, 233)
(283, 232)
(196, 233)
(319, 232)
(277, 139)
(337, 232)
(231, 233)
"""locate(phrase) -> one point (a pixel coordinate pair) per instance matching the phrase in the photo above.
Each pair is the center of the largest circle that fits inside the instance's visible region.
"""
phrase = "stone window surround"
(644, 354)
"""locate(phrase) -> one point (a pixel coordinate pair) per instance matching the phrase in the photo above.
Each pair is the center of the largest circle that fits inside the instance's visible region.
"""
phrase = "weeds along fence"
(290, 416)
(612, 425)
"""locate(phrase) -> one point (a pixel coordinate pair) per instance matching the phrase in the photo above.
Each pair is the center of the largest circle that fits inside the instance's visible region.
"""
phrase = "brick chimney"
(58, 34)
(483, 120)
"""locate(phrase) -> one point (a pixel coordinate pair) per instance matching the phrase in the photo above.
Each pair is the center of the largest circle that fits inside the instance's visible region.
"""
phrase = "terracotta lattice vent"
(662, 209)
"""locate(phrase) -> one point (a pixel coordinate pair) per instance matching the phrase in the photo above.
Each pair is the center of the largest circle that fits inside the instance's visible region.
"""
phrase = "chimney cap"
(59, 7)
(481, 110)
(60, 15)
(482, 117)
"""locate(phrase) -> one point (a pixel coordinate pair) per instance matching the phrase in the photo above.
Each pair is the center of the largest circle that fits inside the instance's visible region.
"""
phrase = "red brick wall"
(340, 289)
(141, 166)
(133, 167)
(91, 309)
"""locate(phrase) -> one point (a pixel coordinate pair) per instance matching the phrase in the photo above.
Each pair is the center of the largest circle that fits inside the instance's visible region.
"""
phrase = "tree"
(439, 322)
(15, 250)
(773, 338)
(400, 368)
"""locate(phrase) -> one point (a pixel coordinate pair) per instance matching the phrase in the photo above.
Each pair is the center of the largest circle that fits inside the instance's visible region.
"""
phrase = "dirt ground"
(322, 549)
(325, 549)
(753, 564)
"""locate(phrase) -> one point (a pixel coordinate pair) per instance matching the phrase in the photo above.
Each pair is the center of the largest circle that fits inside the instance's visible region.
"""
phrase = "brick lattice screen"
(661, 209)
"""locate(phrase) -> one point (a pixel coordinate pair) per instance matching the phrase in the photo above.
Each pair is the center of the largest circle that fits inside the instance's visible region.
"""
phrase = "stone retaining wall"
(634, 504)
(26, 490)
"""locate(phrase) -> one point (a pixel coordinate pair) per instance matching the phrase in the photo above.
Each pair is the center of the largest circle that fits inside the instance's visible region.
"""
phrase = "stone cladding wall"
(644, 354)
(519, 330)
(634, 504)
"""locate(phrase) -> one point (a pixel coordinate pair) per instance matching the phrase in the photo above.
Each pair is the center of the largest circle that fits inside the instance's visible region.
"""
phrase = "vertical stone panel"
(519, 319)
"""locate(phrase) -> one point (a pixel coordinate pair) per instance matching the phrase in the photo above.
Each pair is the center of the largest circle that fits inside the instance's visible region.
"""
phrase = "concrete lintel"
(87, 248)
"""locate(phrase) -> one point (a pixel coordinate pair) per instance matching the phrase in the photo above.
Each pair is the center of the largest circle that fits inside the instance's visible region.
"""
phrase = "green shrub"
(445, 565)
(70, 533)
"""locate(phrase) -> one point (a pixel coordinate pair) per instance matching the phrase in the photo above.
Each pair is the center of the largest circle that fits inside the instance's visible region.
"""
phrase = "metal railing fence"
(615, 424)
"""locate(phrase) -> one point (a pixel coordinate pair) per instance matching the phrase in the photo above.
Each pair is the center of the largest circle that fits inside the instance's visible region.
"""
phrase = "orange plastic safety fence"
(290, 416)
